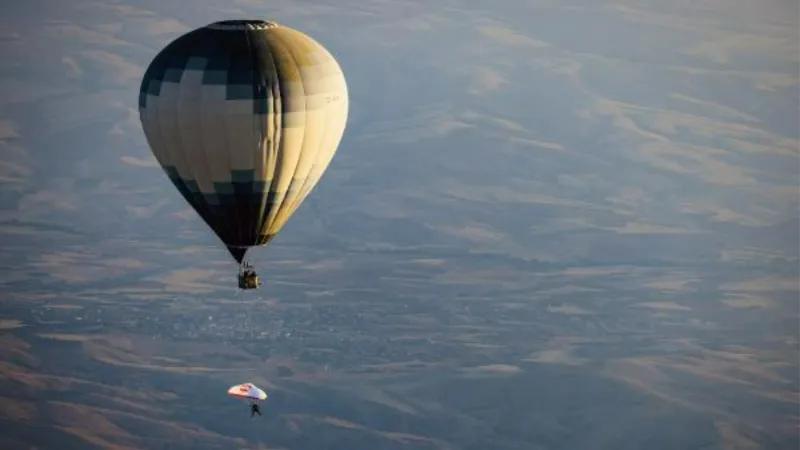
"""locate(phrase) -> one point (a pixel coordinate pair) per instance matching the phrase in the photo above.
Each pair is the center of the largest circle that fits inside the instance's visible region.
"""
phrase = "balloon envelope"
(244, 116)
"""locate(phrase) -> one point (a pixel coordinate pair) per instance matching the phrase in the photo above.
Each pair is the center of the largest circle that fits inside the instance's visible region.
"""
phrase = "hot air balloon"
(244, 116)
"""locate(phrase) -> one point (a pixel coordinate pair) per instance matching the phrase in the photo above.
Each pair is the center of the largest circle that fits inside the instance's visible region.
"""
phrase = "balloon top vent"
(242, 25)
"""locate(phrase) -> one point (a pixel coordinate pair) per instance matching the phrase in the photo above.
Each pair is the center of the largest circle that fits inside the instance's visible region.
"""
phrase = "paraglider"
(244, 116)
(251, 393)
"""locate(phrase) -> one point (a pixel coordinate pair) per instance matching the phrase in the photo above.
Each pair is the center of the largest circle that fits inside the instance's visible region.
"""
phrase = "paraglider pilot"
(254, 410)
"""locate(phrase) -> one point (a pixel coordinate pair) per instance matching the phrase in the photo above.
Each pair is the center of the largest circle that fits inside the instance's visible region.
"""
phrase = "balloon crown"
(242, 25)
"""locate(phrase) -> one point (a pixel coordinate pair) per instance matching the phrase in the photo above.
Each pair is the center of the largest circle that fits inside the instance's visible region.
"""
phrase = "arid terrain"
(550, 225)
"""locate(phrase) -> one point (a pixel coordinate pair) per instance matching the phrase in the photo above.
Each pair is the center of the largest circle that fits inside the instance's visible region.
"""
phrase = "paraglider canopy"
(247, 391)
